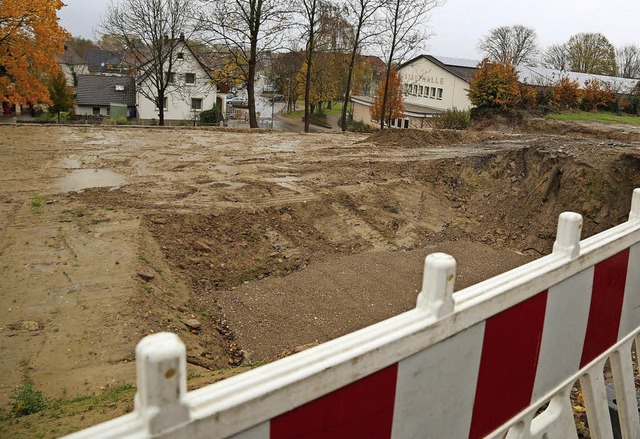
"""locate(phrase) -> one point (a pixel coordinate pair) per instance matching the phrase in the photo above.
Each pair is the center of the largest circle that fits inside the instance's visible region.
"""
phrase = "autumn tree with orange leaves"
(30, 37)
(394, 107)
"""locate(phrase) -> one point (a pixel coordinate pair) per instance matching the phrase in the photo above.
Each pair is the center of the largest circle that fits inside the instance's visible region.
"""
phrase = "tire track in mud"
(361, 227)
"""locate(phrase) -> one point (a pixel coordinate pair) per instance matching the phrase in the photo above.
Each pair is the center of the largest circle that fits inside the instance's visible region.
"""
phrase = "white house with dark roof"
(97, 93)
(193, 90)
(72, 65)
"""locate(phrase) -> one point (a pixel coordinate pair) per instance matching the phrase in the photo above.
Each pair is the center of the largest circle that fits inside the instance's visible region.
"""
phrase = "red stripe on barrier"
(609, 279)
(363, 409)
(508, 364)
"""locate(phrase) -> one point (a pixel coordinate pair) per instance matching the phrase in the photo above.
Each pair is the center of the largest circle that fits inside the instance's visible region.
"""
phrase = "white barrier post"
(634, 215)
(162, 383)
(438, 280)
(568, 235)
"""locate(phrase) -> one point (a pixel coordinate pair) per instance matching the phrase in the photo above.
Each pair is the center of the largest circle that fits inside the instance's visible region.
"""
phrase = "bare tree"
(628, 60)
(556, 57)
(405, 33)
(363, 14)
(247, 29)
(511, 44)
(310, 10)
(152, 31)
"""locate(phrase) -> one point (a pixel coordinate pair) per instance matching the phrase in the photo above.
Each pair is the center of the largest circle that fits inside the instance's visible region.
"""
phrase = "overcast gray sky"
(459, 24)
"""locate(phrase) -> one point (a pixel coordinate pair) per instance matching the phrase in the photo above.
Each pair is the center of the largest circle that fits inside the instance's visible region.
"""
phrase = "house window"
(96, 111)
(415, 89)
(420, 90)
(119, 87)
(433, 92)
(171, 77)
(109, 110)
(180, 55)
(439, 93)
(406, 123)
(196, 103)
(190, 78)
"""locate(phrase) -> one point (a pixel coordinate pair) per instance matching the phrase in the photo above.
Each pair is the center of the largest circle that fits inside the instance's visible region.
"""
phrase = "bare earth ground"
(272, 241)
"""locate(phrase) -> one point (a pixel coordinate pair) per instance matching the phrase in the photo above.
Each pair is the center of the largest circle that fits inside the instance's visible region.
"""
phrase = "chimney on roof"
(181, 36)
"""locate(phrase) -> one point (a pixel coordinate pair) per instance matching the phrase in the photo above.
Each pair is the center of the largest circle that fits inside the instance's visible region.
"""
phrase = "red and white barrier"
(472, 364)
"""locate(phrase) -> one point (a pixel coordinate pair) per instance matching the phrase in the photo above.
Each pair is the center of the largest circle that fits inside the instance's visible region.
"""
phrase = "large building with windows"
(431, 85)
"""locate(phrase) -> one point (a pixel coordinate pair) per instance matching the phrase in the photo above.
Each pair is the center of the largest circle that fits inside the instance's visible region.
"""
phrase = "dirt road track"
(271, 240)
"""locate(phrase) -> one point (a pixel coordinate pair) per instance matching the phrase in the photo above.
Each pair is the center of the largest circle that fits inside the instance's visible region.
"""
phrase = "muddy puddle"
(79, 179)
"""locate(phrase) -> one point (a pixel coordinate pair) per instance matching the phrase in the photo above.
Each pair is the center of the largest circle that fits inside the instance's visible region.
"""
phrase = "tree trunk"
(391, 53)
(253, 120)
(307, 84)
(347, 92)
(161, 108)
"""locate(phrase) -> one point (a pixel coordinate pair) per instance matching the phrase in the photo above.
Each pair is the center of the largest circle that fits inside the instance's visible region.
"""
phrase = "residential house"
(191, 90)
(72, 65)
(98, 94)
(106, 62)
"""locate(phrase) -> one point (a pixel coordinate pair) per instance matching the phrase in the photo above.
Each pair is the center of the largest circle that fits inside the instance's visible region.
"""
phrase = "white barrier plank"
(630, 318)
(565, 326)
(436, 387)
(258, 432)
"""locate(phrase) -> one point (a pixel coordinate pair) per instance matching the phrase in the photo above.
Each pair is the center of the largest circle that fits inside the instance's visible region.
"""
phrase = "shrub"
(453, 119)
(544, 96)
(494, 85)
(528, 97)
(595, 95)
(211, 116)
(25, 400)
(566, 95)
(357, 126)
(122, 120)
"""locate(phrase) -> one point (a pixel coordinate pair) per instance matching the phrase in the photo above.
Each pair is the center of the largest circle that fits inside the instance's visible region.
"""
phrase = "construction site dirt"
(252, 245)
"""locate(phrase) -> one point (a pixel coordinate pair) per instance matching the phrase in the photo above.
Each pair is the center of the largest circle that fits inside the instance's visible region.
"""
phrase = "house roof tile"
(102, 90)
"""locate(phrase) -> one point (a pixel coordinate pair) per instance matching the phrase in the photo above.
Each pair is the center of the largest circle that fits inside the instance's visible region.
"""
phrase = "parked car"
(238, 102)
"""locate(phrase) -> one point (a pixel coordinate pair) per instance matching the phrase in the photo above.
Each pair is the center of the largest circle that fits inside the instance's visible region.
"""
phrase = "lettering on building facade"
(411, 78)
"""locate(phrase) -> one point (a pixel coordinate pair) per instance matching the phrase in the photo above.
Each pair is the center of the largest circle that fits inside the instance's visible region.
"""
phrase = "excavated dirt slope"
(272, 241)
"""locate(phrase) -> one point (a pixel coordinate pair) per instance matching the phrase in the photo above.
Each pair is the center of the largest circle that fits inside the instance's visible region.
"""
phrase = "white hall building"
(431, 85)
